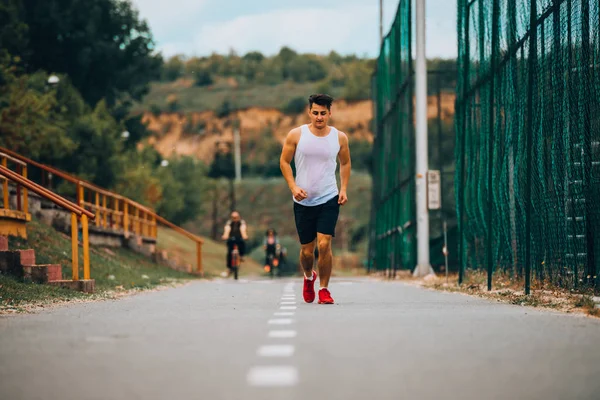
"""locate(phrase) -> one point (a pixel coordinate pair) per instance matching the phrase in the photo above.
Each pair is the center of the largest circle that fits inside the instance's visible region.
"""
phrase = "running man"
(315, 149)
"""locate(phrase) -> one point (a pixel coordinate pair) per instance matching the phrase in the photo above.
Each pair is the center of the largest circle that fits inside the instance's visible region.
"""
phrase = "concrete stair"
(21, 264)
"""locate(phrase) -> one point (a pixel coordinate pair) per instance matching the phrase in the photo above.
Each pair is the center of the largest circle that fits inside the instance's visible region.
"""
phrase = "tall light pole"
(380, 22)
(237, 151)
(423, 264)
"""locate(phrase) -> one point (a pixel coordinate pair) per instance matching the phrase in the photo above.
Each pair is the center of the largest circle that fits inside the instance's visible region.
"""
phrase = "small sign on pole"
(434, 198)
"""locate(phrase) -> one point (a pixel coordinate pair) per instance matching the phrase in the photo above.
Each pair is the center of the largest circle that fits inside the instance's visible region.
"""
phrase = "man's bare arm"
(345, 167)
(226, 232)
(287, 154)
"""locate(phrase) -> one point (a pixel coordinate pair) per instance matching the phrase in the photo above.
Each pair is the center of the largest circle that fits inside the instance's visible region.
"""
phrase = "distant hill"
(198, 133)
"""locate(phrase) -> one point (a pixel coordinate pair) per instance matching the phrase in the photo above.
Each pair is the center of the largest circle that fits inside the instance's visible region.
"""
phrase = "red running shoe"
(325, 297)
(308, 292)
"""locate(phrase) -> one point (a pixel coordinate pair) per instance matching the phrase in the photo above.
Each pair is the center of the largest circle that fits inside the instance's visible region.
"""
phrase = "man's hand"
(224, 237)
(299, 193)
(342, 198)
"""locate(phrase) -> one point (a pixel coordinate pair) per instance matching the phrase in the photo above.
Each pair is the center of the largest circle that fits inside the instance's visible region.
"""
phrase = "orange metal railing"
(77, 212)
(113, 211)
(21, 169)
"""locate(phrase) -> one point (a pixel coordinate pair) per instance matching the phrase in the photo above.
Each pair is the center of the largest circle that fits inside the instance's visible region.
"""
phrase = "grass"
(195, 98)
(115, 271)
(213, 253)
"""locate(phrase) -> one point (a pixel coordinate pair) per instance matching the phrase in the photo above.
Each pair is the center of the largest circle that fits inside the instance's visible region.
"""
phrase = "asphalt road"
(256, 339)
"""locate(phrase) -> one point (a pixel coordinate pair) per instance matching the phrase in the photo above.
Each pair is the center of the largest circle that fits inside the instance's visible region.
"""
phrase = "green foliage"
(203, 77)
(173, 103)
(102, 45)
(332, 71)
(357, 82)
(361, 154)
(103, 56)
(324, 86)
(295, 106)
(222, 166)
(224, 109)
(176, 191)
(31, 119)
(14, 32)
(97, 156)
(155, 109)
(184, 189)
(172, 69)
(137, 131)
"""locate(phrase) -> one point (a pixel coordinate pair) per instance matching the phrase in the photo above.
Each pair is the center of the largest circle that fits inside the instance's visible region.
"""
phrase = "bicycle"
(234, 257)
(272, 261)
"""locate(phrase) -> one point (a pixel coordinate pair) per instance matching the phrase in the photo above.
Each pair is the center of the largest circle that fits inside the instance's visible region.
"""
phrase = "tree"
(172, 69)
(358, 79)
(99, 153)
(286, 57)
(295, 106)
(13, 30)
(191, 174)
(203, 77)
(101, 44)
(32, 120)
(222, 165)
(306, 68)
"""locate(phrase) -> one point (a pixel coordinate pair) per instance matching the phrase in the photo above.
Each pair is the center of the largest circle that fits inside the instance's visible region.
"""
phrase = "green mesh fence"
(392, 242)
(528, 142)
(392, 233)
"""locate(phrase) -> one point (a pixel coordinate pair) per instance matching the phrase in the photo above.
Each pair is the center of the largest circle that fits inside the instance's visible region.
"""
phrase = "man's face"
(235, 216)
(319, 116)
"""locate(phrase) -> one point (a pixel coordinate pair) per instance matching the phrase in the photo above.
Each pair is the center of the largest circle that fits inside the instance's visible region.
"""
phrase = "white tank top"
(316, 162)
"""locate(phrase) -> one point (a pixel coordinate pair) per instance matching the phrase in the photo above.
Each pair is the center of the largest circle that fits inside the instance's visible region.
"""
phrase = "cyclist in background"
(235, 233)
(271, 246)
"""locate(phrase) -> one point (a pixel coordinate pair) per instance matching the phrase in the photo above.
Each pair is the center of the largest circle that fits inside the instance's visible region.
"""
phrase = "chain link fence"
(528, 145)
(392, 243)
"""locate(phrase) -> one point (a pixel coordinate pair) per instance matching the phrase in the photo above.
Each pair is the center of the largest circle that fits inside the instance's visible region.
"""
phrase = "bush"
(361, 154)
(172, 103)
(172, 69)
(295, 106)
(203, 78)
(224, 109)
(155, 109)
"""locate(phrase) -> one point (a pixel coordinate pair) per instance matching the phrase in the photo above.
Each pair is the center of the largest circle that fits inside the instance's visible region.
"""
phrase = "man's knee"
(307, 250)
(324, 244)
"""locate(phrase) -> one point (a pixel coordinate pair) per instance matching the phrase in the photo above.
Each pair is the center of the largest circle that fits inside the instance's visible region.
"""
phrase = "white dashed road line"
(276, 350)
(280, 321)
(273, 376)
(282, 334)
(278, 375)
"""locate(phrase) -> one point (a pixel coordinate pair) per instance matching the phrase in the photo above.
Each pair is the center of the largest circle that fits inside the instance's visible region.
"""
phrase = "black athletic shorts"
(313, 219)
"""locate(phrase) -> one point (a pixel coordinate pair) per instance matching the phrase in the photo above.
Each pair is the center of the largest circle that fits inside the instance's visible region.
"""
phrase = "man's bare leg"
(325, 259)
(307, 257)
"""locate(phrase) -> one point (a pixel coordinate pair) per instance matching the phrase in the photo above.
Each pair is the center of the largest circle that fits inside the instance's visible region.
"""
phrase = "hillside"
(197, 133)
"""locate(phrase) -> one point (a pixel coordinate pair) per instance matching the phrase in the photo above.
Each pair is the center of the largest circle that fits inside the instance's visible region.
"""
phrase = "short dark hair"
(320, 99)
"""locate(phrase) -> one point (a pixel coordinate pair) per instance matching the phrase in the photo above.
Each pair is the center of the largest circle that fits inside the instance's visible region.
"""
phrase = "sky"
(201, 27)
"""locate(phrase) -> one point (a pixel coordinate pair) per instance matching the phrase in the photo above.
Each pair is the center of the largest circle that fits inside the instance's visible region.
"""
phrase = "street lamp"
(53, 80)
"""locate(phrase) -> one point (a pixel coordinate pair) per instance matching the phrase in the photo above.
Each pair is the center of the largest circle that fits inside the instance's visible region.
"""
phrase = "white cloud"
(169, 16)
(199, 27)
(304, 30)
